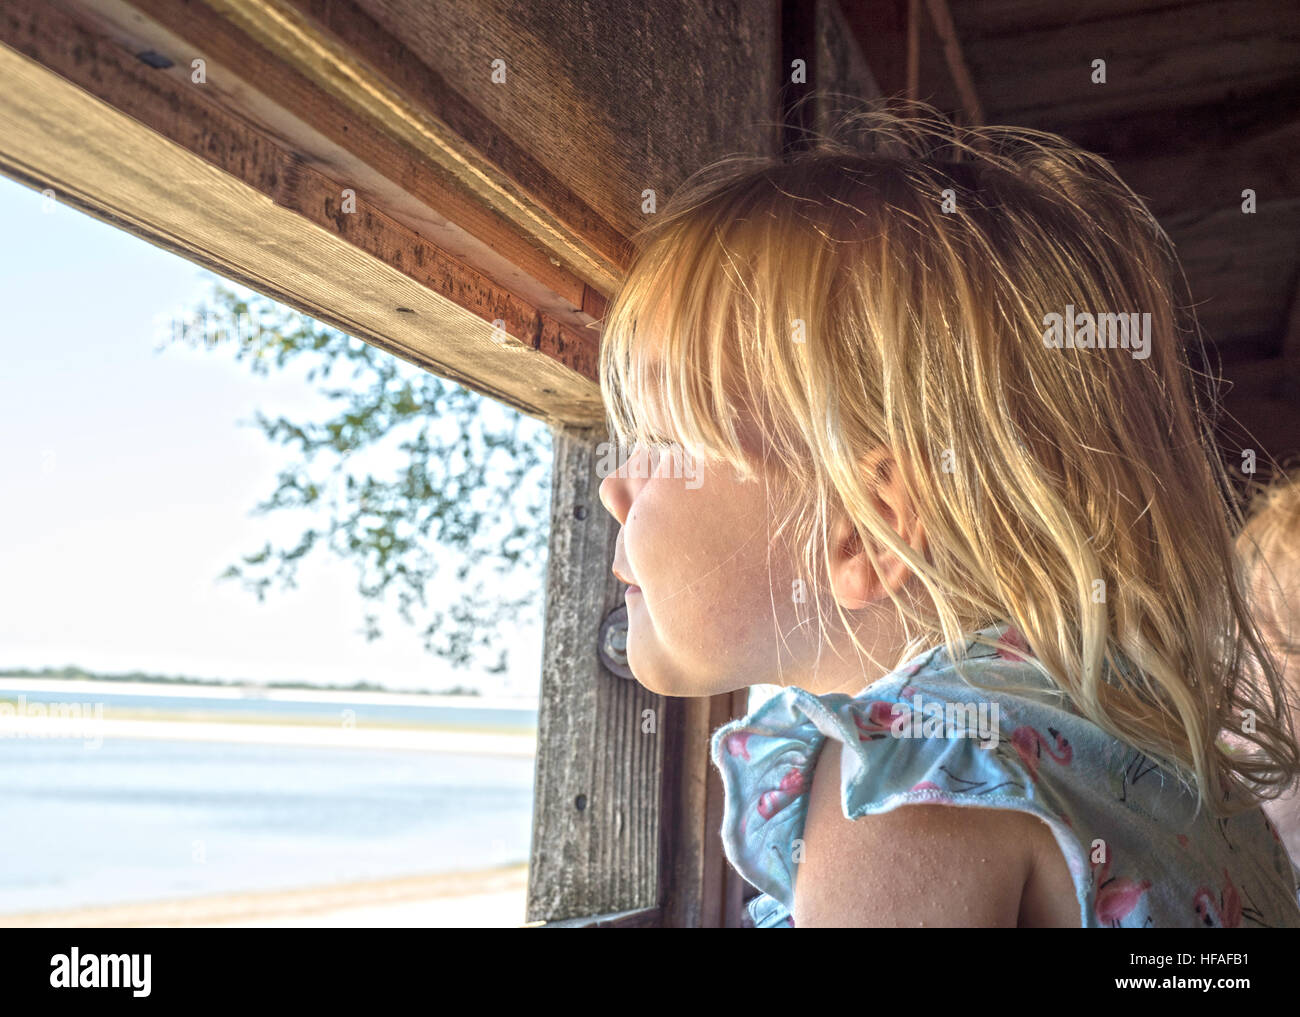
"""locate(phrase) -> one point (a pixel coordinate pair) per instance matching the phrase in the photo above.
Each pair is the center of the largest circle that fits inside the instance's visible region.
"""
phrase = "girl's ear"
(855, 580)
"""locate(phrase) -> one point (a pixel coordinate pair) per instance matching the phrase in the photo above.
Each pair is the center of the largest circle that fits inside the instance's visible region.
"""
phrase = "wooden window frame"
(90, 110)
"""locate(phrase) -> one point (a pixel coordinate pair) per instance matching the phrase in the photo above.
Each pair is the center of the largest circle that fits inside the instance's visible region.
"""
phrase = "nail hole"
(154, 59)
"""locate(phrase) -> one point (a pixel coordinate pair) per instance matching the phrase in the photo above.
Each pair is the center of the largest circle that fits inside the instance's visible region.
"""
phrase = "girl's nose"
(615, 497)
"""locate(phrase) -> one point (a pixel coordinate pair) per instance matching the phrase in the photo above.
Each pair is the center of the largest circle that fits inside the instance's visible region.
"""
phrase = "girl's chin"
(681, 688)
(671, 691)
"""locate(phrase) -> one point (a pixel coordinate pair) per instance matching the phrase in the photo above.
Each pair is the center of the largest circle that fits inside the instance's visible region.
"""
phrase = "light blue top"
(1162, 865)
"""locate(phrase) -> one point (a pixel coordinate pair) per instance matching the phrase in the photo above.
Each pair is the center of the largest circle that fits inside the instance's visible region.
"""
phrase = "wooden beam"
(348, 53)
(1240, 266)
(881, 30)
(597, 790)
(1261, 411)
(841, 65)
(798, 42)
(639, 918)
(110, 136)
(702, 889)
(1252, 117)
(1208, 155)
(1291, 338)
(1159, 58)
(956, 60)
(901, 44)
(1255, 375)
(914, 49)
(246, 80)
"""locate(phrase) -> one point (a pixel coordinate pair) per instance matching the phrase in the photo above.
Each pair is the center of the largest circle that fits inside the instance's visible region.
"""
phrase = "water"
(278, 704)
(143, 820)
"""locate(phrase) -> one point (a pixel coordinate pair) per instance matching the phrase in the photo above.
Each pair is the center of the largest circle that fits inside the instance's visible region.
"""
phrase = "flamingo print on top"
(1139, 853)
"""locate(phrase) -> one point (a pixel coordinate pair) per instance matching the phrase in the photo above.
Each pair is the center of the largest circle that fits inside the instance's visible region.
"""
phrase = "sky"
(127, 482)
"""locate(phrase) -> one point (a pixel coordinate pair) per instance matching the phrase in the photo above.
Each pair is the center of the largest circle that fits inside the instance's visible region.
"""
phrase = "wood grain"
(163, 162)
(596, 793)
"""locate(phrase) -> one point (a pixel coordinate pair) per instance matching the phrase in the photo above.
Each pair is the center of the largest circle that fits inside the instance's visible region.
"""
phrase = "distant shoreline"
(94, 732)
(10, 684)
(140, 677)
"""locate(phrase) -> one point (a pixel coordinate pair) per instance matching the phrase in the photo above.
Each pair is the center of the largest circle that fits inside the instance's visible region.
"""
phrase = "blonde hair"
(1269, 545)
(888, 286)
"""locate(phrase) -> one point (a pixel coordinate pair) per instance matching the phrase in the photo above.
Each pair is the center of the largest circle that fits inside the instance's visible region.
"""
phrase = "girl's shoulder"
(991, 731)
(920, 735)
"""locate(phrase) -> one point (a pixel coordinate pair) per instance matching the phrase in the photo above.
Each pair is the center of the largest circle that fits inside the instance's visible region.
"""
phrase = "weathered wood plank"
(696, 856)
(349, 54)
(161, 161)
(596, 793)
(991, 18)
(1240, 266)
(1291, 336)
(609, 98)
(799, 45)
(880, 33)
(841, 65)
(907, 55)
(915, 26)
(627, 802)
(641, 918)
(1174, 179)
(1156, 59)
(1261, 411)
(954, 57)
(246, 79)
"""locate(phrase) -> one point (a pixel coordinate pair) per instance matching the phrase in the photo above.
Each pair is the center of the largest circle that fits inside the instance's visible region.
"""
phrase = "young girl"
(1270, 548)
(894, 452)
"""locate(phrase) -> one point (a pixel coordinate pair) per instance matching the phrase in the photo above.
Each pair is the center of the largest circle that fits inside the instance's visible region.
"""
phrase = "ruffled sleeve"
(766, 761)
(890, 758)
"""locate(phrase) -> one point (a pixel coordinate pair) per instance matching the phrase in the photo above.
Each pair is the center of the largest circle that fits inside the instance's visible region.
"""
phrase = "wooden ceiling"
(514, 201)
(492, 214)
(1201, 102)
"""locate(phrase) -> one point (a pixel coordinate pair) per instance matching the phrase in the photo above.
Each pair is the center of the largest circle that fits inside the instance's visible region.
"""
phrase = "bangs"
(675, 340)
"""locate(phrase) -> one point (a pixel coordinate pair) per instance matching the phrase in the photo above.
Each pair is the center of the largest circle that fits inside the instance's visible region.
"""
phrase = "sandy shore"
(93, 732)
(490, 898)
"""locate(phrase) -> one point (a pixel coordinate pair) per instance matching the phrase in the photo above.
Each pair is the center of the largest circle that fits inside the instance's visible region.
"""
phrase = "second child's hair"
(888, 286)
(1269, 545)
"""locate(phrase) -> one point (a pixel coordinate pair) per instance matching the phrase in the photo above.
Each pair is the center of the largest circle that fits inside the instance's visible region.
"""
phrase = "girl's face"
(702, 613)
(711, 606)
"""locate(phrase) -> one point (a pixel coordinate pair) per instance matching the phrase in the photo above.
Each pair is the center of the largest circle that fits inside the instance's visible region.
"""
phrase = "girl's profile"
(991, 575)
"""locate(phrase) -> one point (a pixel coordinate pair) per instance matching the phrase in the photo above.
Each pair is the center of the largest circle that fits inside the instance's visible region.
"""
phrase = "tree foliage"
(405, 466)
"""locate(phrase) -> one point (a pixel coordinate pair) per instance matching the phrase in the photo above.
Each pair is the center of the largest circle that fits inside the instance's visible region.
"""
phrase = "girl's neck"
(844, 668)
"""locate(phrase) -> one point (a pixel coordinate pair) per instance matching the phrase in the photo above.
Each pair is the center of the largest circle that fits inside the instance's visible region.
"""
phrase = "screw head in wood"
(613, 642)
